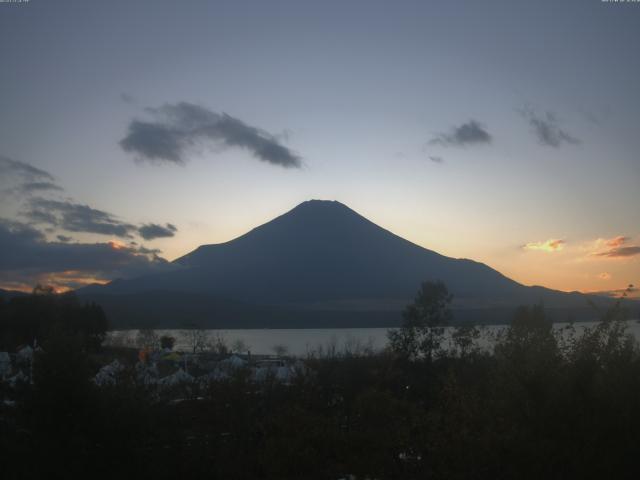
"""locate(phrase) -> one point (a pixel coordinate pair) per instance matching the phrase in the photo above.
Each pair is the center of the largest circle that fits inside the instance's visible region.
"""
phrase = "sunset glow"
(116, 245)
(547, 246)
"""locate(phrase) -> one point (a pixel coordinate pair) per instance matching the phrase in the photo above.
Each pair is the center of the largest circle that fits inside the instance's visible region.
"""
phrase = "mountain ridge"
(321, 255)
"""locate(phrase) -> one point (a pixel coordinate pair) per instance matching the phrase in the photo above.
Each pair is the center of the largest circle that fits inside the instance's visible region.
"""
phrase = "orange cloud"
(614, 248)
(621, 252)
(116, 245)
(616, 241)
(60, 281)
(604, 276)
(551, 245)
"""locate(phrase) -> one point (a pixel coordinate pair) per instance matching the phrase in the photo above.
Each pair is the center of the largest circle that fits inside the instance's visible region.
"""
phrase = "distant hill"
(7, 294)
(320, 264)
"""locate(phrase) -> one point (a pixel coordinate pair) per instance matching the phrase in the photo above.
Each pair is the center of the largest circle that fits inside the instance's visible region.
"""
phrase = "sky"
(501, 131)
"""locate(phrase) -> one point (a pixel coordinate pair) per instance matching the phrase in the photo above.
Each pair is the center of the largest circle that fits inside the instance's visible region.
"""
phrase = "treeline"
(42, 316)
(541, 404)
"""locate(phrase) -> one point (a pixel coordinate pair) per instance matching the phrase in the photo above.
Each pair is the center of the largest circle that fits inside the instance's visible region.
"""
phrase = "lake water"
(302, 342)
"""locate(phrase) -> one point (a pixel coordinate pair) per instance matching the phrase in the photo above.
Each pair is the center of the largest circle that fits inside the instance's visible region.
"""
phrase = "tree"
(239, 346)
(201, 340)
(167, 342)
(420, 335)
(529, 342)
(464, 339)
(147, 338)
(280, 350)
(218, 345)
(197, 339)
(44, 315)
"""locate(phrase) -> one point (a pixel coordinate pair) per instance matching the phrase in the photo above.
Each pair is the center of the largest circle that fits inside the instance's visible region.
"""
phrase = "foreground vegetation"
(541, 404)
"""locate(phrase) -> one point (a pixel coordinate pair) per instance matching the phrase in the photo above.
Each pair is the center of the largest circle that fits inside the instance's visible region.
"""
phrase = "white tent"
(233, 362)
(177, 378)
(108, 375)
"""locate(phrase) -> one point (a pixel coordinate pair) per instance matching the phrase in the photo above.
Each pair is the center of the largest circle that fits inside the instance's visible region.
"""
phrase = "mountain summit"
(325, 258)
(323, 251)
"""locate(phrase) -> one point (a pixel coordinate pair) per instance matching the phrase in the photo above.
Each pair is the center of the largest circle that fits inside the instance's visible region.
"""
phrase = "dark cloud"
(470, 133)
(146, 251)
(619, 252)
(152, 230)
(30, 187)
(436, 159)
(52, 213)
(176, 128)
(547, 130)
(41, 217)
(75, 217)
(156, 142)
(128, 99)
(25, 256)
(28, 173)
(20, 179)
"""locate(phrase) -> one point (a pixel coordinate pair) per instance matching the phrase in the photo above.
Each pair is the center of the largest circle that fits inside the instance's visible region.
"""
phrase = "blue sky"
(375, 100)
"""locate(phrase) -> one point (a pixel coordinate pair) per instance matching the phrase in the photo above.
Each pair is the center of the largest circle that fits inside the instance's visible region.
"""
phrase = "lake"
(302, 342)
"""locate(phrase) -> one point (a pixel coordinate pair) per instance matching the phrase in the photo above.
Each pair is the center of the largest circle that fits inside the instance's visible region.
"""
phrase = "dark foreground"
(540, 406)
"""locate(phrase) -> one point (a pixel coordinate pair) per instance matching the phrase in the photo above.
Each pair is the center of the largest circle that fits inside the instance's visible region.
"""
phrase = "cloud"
(551, 245)
(436, 159)
(36, 195)
(615, 247)
(41, 217)
(152, 230)
(75, 217)
(619, 252)
(29, 173)
(127, 98)
(156, 142)
(547, 130)
(176, 128)
(26, 257)
(20, 178)
(604, 276)
(470, 133)
(616, 241)
(40, 186)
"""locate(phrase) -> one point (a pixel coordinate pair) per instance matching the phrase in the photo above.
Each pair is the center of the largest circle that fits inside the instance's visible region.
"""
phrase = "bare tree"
(197, 339)
(280, 350)
(239, 345)
(147, 338)
(219, 344)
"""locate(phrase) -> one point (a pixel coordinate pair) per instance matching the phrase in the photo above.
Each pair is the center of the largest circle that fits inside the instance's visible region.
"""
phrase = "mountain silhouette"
(323, 261)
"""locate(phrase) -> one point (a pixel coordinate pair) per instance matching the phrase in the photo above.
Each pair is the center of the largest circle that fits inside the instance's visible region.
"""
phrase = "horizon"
(132, 134)
(630, 290)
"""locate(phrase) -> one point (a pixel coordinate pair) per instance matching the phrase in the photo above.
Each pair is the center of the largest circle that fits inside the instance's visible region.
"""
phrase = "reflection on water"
(305, 341)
